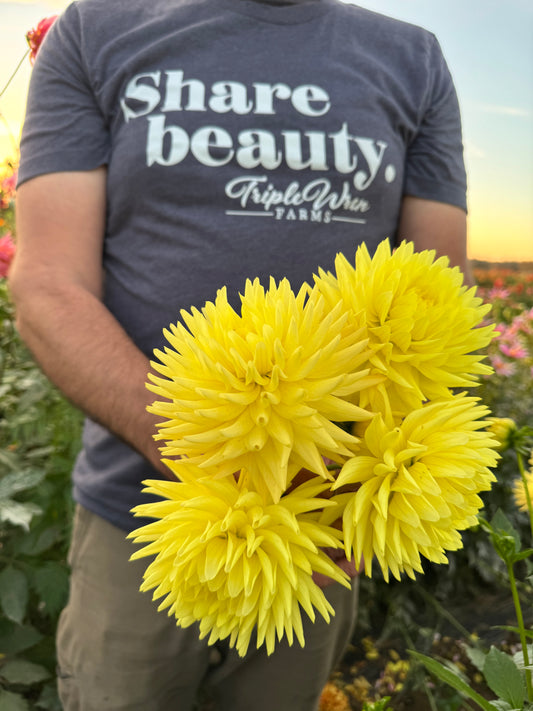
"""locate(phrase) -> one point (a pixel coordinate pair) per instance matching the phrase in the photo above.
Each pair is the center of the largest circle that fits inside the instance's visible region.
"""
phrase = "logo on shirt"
(356, 160)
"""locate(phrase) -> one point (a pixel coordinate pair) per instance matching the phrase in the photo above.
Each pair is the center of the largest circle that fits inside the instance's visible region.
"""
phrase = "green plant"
(381, 705)
(39, 436)
(509, 676)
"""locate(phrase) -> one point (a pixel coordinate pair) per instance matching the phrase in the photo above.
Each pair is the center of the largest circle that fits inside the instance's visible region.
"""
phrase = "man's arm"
(436, 225)
(56, 284)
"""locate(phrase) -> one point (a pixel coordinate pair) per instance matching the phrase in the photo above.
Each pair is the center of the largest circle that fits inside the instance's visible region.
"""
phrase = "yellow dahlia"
(519, 490)
(260, 390)
(234, 563)
(423, 325)
(503, 430)
(418, 485)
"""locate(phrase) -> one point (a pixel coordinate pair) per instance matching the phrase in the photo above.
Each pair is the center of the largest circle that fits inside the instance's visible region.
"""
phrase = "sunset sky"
(489, 48)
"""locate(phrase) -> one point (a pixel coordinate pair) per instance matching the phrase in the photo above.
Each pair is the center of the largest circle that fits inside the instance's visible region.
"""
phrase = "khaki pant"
(117, 653)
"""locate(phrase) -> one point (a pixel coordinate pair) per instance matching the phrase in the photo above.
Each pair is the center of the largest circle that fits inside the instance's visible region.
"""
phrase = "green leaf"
(18, 514)
(518, 657)
(504, 678)
(381, 705)
(51, 584)
(20, 671)
(17, 638)
(13, 593)
(502, 705)
(37, 540)
(40, 452)
(444, 674)
(12, 702)
(504, 528)
(516, 630)
(17, 481)
(9, 459)
(476, 656)
(49, 700)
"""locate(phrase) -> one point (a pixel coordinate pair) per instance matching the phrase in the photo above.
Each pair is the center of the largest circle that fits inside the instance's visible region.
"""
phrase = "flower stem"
(14, 74)
(526, 490)
(522, 629)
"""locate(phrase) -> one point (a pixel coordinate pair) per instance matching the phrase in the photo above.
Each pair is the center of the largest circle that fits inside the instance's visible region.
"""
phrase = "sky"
(488, 45)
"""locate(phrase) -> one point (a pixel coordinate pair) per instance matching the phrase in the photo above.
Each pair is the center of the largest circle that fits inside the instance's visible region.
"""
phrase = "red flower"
(35, 37)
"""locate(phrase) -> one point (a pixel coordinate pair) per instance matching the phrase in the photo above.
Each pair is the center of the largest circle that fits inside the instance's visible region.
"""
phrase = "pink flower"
(36, 36)
(7, 252)
(514, 350)
(9, 183)
(501, 367)
(524, 323)
(499, 293)
(501, 331)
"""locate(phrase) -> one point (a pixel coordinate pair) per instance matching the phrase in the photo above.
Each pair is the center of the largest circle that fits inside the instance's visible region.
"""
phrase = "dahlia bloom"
(260, 391)
(8, 183)
(423, 325)
(519, 489)
(36, 36)
(7, 252)
(499, 293)
(418, 485)
(251, 398)
(514, 350)
(235, 563)
(503, 429)
(501, 366)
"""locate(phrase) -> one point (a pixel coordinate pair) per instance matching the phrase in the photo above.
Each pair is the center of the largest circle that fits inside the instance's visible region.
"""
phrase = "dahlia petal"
(405, 482)
(365, 495)
(355, 470)
(401, 508)
(382, 501)
(379, 528)
(213, 558)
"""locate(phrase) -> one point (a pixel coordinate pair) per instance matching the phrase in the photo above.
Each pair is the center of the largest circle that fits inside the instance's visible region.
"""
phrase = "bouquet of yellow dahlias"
(358, 370)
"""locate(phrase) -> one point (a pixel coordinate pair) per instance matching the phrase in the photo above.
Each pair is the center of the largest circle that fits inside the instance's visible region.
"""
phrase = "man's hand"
(349, 567)
(336, 554)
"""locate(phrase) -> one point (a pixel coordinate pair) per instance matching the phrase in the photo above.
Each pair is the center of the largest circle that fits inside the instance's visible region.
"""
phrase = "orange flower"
(36, 36)
(333, 699)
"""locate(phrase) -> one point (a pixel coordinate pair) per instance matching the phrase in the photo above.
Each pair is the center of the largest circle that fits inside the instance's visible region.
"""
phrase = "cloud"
(504, 110)
(472, 151)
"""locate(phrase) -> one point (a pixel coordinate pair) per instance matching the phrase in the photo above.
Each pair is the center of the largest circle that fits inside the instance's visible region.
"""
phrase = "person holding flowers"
(170, 150)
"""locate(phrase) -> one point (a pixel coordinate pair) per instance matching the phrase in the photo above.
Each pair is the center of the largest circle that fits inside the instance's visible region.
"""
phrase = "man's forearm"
(89, 357)
(56, 282)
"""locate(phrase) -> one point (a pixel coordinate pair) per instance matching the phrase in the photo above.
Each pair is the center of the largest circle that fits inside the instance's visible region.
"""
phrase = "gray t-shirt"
(242, 139)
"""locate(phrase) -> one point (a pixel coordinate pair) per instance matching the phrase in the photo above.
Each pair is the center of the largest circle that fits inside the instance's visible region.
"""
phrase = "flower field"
(463, 613)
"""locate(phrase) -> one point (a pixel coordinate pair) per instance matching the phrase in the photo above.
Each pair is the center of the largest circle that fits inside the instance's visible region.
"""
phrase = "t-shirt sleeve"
(435, 164)
(64, 128)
